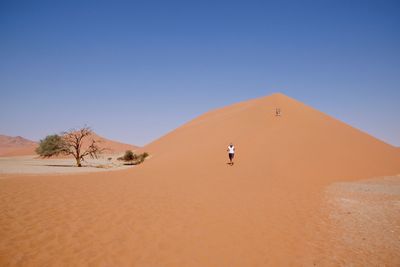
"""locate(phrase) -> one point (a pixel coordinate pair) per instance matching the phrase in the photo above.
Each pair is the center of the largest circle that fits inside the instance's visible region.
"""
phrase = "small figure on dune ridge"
(231, 153)
(278, 112)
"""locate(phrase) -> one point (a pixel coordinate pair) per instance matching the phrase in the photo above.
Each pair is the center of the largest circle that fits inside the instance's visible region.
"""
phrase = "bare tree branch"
(73, 144)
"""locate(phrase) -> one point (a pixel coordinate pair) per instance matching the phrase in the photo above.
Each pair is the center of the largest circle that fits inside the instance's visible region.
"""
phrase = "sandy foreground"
(132, 219)
(360, 222)
(35, 165)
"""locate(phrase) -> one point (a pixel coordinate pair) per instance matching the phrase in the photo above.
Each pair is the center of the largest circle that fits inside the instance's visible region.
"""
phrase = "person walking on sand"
(231, 153)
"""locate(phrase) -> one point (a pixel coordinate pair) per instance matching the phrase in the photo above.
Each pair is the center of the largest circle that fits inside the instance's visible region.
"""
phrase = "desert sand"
(361, 221)
(280, 204)
(36, 165)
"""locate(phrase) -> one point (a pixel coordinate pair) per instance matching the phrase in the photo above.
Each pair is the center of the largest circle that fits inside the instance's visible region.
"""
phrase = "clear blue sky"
(134, 70)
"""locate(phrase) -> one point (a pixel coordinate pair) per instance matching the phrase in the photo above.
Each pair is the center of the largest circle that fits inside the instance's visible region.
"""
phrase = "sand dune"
(186, 207)
(302, 142)
(16, 146)
(113, 146)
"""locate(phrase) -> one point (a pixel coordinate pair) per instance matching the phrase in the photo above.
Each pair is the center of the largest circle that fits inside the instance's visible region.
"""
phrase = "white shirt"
(231, 149)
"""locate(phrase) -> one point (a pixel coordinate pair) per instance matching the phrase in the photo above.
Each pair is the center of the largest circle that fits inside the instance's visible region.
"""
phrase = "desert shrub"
(132, 158)
(129, 156)
(51, 145)
(142, 157)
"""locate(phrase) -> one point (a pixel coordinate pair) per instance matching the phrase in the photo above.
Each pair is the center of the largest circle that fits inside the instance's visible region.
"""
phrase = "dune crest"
(301, 141)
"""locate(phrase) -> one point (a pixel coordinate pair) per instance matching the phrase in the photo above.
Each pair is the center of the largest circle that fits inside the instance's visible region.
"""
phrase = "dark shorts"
(231, 155)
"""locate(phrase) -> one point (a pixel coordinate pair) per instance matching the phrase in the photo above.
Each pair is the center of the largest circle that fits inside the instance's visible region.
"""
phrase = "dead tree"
(73, 144)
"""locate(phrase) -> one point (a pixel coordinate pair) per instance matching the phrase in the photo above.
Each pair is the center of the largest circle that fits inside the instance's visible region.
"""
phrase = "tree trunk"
(78, 162)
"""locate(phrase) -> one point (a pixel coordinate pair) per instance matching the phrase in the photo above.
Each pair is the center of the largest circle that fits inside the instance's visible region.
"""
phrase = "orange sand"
(186, 207)
(111, 145)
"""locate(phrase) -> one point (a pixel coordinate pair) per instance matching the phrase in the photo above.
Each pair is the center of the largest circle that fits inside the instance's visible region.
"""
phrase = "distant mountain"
(16, 146)
(19, 146)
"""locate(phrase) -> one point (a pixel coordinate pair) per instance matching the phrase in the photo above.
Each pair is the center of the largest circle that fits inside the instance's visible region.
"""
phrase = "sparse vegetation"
(132, 158)
(142, 157)
(52, 145)
(70, 143)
